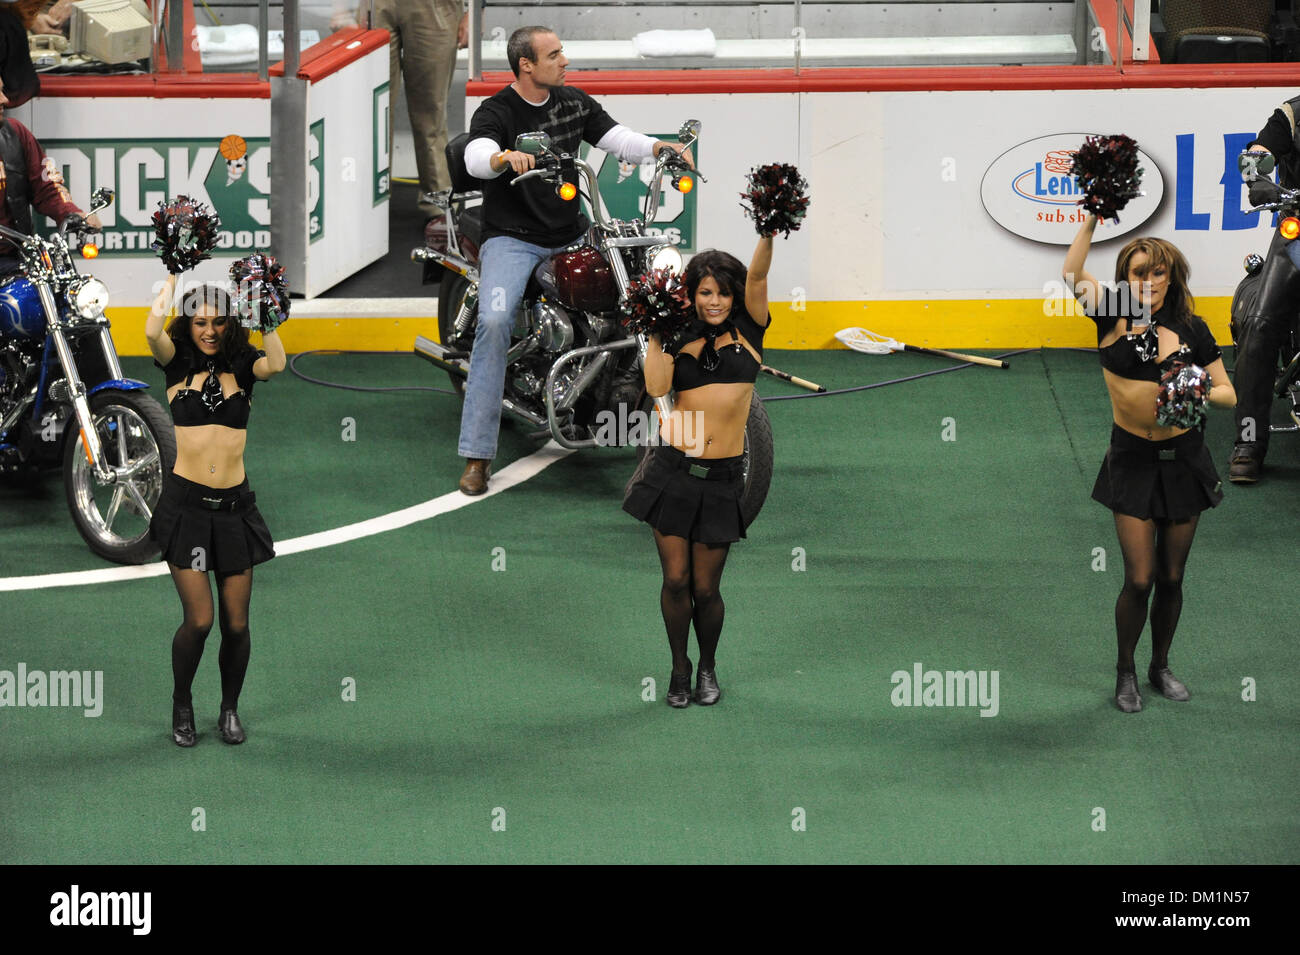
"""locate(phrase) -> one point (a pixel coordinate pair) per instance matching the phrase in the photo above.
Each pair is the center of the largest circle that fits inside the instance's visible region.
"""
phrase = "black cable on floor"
(893, 381)
(293, 367)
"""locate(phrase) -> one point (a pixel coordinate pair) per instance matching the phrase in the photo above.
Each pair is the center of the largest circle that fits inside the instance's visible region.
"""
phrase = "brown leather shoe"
(1244, 469)
(475, 479)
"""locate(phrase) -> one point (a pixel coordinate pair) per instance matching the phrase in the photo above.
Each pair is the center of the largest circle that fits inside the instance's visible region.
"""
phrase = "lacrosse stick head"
(867, 342)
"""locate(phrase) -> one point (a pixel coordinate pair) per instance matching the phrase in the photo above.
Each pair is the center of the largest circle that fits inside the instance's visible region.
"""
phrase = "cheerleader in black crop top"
(206, 520)
(690, 488)
(1156, 479)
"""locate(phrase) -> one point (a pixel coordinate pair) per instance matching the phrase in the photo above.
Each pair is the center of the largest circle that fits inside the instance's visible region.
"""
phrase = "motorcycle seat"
(470, 224)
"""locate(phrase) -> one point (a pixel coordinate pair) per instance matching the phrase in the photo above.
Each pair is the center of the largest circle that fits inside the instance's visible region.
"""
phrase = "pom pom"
(186, 231)
(1184, 388)
(261, 292)
(1107, 170)
(776, 198)
(656, 304)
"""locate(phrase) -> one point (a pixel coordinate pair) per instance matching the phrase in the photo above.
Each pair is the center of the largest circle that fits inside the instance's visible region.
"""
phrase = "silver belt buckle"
(1168, 454)
(699, 471)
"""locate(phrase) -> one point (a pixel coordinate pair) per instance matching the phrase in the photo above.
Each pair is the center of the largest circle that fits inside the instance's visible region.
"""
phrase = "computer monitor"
(112, 31)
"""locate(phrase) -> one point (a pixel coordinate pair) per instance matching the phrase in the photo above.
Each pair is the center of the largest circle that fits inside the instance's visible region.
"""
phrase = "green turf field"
(515, 696)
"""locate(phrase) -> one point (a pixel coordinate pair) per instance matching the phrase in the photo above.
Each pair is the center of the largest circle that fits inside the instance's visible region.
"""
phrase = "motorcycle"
(572, 368)
(1274, 278)
(64, 402)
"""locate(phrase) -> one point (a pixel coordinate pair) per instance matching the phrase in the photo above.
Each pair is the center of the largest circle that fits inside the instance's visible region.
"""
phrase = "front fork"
(77, 388)
(663, 403)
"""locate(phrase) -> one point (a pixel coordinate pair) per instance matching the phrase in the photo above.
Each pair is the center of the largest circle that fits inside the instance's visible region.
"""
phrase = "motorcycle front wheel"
(758, 456)
(137, 441)
(451, 295)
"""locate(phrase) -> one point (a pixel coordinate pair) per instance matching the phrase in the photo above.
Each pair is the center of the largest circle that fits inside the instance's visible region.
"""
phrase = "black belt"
(714, 472)
(213, 499)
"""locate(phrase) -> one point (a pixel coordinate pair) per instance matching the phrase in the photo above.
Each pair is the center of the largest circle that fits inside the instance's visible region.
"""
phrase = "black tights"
(1154, 556)
(195, 592)
(692, 573)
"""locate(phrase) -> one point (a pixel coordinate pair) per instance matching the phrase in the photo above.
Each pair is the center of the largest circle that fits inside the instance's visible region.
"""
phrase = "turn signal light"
(684, 184)
(567, 191)
(89, 251)
(1289, 227)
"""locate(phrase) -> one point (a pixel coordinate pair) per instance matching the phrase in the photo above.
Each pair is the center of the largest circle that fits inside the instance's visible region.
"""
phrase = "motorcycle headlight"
(90, 299)
(664, 257)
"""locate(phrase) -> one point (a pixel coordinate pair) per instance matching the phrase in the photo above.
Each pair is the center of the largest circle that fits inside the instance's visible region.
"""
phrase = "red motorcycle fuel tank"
(584, 280)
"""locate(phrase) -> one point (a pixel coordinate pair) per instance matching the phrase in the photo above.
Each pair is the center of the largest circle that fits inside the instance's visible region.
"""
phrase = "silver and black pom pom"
(1107, 170)
(1184, 390)
(261, 292)
(656, 304)
(186, 233)
(776, 198)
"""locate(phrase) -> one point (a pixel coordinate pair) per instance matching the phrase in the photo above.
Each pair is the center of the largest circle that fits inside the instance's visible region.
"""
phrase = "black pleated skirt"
(667, 496)
(207, 528)
(1170, 480)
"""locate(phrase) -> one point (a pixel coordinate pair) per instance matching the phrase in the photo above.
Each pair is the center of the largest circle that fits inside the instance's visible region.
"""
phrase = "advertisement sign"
(623, 188)
(230, 174)
(1030, 192)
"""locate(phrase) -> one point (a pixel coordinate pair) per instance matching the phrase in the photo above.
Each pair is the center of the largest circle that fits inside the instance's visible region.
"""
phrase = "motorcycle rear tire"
(451, 292)
(759, 455)
(139, 548)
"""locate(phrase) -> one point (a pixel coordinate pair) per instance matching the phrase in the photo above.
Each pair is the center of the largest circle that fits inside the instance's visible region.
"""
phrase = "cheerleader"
(1157, 476)
(691, 488)
(207, 521)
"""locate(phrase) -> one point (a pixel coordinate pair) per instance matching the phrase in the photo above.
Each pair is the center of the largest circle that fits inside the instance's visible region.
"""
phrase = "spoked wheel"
(451, 297)
(758, 455)
(138, 443)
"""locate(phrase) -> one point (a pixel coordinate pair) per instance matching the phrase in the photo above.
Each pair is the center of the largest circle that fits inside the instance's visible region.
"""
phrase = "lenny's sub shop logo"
(1029, 191)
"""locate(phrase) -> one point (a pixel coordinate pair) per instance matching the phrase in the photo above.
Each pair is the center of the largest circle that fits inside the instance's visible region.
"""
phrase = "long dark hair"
(1160, 252)
(724, 268)
(235, 338)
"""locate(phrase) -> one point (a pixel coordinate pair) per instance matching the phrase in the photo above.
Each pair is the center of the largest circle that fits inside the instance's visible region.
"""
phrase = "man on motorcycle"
(1265, 305)
(28, 178)
(526, 225)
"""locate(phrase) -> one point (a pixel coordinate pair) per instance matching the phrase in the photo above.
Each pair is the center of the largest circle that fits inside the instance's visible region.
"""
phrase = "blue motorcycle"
(64, 402)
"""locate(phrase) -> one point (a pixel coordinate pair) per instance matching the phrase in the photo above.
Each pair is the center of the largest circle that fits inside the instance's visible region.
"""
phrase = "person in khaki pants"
(425, 37)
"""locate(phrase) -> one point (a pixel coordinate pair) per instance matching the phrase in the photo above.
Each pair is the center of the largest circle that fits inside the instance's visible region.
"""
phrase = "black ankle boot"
(182, 724)
(1127, 697)
(707, 690)
(679, 689)
(232, 731)
(1170, 687)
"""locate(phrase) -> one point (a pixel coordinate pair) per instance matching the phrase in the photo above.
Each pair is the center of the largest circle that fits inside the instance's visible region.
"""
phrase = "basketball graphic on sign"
(235, 151)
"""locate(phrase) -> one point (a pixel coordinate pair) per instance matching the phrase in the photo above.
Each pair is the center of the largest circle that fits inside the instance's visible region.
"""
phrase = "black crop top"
(207, 404)
(735, 363)
(1134, 356)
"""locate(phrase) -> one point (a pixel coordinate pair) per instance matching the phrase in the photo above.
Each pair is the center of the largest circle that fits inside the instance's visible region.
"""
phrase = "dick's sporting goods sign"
(623, 190)
(230, 173)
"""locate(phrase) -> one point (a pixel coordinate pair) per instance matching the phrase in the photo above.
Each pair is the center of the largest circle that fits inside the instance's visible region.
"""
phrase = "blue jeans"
(507, 263)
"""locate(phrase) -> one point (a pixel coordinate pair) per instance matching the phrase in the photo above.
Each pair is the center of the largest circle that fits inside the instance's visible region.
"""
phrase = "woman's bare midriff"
(711, 420)
(210, 454)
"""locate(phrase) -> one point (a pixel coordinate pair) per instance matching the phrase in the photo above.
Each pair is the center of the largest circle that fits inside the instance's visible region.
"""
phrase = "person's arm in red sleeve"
(48, 193)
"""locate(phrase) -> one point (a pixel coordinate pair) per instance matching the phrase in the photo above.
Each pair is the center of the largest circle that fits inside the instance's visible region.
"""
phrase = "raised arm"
(274, 361)
(1081, 282)
(658, 369)
(756, 281)
(159, 344)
